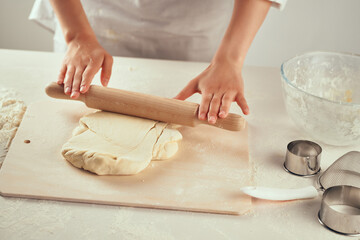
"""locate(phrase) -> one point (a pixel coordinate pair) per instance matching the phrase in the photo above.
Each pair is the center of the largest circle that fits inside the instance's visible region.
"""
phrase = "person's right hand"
(83, 59)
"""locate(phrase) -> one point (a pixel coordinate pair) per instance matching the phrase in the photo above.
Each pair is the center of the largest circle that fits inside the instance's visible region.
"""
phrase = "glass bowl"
(321, 91)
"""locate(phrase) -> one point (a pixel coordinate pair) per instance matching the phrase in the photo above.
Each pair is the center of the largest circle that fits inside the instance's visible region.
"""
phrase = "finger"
(214, 108)
(189, 90)
(61, 75)
(88, 76)
(226, 101)
(241, 101)
(75, 90)
(106, 70)
(204, 105)
(69, 79)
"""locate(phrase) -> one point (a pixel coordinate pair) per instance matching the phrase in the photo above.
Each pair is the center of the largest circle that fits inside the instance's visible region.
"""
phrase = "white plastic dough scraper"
(344, 171)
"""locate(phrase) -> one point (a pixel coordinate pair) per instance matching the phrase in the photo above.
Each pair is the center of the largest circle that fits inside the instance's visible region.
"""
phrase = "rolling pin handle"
(55, 90)
(232, 122)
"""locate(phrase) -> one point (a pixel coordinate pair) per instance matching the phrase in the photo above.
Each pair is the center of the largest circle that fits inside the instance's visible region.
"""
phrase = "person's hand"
(220, 85)
(82, 61)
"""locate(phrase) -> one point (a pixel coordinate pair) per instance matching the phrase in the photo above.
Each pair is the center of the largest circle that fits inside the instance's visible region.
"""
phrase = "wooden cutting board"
(205, 175)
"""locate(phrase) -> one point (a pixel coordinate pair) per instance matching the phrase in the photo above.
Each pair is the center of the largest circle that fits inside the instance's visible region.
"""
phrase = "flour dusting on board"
(11, 112)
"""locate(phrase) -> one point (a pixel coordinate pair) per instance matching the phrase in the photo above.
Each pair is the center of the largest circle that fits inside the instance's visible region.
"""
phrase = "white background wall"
(304, 25)
(17, 32)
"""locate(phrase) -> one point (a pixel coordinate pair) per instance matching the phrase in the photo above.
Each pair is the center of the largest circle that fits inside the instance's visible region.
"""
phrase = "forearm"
(73, 20)
(247, 17)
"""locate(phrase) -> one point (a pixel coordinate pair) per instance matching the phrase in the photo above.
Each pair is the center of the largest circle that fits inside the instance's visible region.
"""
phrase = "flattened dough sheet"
(114, 144)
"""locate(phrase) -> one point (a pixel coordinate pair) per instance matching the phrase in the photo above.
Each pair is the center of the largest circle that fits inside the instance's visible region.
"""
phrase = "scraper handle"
(145, 106)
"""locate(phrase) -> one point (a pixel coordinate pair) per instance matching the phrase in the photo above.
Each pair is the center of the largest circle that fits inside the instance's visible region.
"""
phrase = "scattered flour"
(124, 227)
(11, 112)
(32, 219)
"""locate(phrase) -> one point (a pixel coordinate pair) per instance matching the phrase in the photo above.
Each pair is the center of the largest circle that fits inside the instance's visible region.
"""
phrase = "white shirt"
(168, 29)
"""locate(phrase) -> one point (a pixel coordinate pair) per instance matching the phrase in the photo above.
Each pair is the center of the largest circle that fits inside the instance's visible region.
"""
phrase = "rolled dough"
(115, 144)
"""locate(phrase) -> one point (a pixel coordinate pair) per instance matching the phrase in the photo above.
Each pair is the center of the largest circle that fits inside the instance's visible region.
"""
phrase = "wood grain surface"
(205, 175)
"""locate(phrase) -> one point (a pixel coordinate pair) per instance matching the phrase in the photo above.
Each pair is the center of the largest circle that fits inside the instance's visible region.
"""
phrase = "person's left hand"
(220, 84)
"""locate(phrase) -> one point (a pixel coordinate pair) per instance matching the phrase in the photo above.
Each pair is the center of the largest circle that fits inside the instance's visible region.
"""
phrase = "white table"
(270, 131)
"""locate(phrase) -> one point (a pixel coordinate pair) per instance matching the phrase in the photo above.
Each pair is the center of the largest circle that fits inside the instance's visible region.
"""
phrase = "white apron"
(164, 29)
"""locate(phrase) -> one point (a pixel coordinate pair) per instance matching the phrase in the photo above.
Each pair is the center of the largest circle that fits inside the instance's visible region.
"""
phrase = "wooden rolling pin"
(145, 106)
